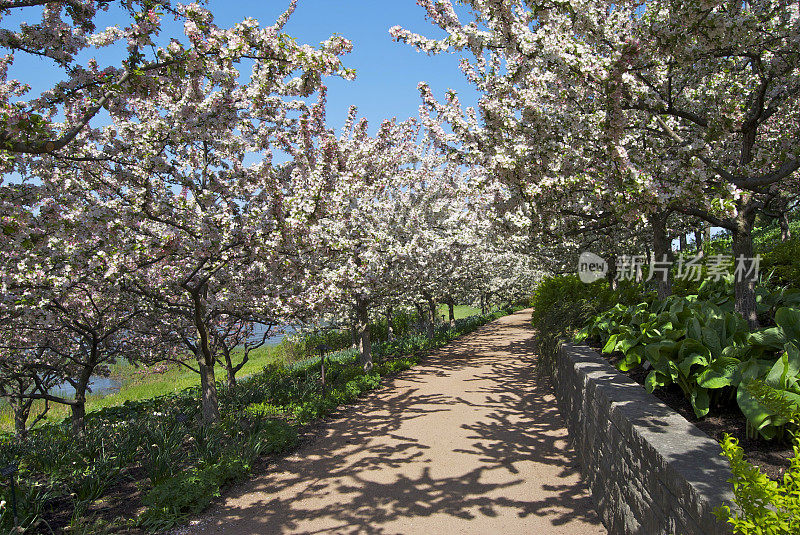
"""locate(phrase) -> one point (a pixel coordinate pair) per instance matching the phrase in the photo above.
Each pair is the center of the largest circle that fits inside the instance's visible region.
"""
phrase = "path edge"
(649, 470)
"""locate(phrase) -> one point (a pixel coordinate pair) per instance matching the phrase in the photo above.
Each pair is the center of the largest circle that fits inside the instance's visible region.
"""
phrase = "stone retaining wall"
(650, 471)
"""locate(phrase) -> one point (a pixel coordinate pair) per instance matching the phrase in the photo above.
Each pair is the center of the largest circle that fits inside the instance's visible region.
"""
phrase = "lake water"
(99, 385)
(274, 339)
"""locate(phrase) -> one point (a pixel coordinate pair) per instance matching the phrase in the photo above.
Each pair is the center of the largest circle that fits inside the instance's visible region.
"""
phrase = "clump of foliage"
(764, 506)
(700, 344)
(782, 261)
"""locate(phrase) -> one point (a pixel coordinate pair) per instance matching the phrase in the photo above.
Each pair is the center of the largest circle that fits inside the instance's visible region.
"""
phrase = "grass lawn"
(460, 311)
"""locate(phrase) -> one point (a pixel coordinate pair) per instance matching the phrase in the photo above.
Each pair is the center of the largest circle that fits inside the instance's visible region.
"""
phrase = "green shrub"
(563, 304)
(783, 262)
(264, 409)
(175, 499)
(765, 507)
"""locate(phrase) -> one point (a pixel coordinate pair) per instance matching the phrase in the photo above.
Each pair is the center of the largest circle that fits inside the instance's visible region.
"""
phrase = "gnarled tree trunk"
(21, 409)
(205, 361)
(389, 326)
(364, 342)
(745, 287)
(662, 250)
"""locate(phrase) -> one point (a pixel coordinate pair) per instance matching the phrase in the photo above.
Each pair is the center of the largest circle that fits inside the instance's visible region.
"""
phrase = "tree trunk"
(389, 326)
(706, 238)
(698, 242)
(744, 287)
(205, 361)
(611, 274)
(682, 243)
(364, 343)
(78, 406)
(21, 409)
(786, 232)
(208, 385)
(431, 323)
(451, 312)
(662, 250)
(78, 416)
(421, 315)
(230, 372)
(483, 305)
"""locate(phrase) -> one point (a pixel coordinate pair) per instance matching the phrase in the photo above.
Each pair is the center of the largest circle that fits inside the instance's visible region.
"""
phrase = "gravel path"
(469, 441)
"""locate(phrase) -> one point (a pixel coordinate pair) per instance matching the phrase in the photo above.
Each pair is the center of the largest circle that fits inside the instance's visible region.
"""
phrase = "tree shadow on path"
(468, 441)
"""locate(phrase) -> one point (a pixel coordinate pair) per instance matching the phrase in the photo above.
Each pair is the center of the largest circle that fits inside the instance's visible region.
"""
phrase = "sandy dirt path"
(469, 441)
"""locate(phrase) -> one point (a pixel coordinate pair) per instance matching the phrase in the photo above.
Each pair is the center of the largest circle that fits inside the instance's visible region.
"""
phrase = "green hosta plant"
(694, 367)
(766, 389)
(786, 330)
(694, 344)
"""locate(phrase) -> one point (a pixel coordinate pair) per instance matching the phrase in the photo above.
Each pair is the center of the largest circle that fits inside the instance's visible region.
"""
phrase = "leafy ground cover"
(149, 464)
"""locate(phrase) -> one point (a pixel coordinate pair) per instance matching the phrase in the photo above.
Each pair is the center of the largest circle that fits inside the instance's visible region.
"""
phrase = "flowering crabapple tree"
(607, 93)
(208, 235)
(359, 179)
(63, 309)
(216, 240)
(46, 120)
(438, 235)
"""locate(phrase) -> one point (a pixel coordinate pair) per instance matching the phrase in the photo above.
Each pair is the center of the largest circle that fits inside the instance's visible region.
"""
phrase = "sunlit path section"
(470, 441)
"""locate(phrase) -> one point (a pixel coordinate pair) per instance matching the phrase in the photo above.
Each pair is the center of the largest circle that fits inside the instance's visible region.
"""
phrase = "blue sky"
(387, 72)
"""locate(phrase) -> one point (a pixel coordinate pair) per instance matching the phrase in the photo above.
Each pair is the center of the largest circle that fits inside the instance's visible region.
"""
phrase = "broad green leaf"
(788, 319)
(752, 369)
(756, 414)
(675, 334)
(719, 373)
(776, 376)
(700, 401)
(655, 379)
(625, 343)
(793, 375)
(712, 341)
(772, 338)
(633, 358)
(693, 329)
(691, 346)
(783, 374)
(685, 365)
(611, 344)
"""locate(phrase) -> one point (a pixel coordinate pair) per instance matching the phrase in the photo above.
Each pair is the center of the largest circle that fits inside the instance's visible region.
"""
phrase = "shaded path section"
(469, 441)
